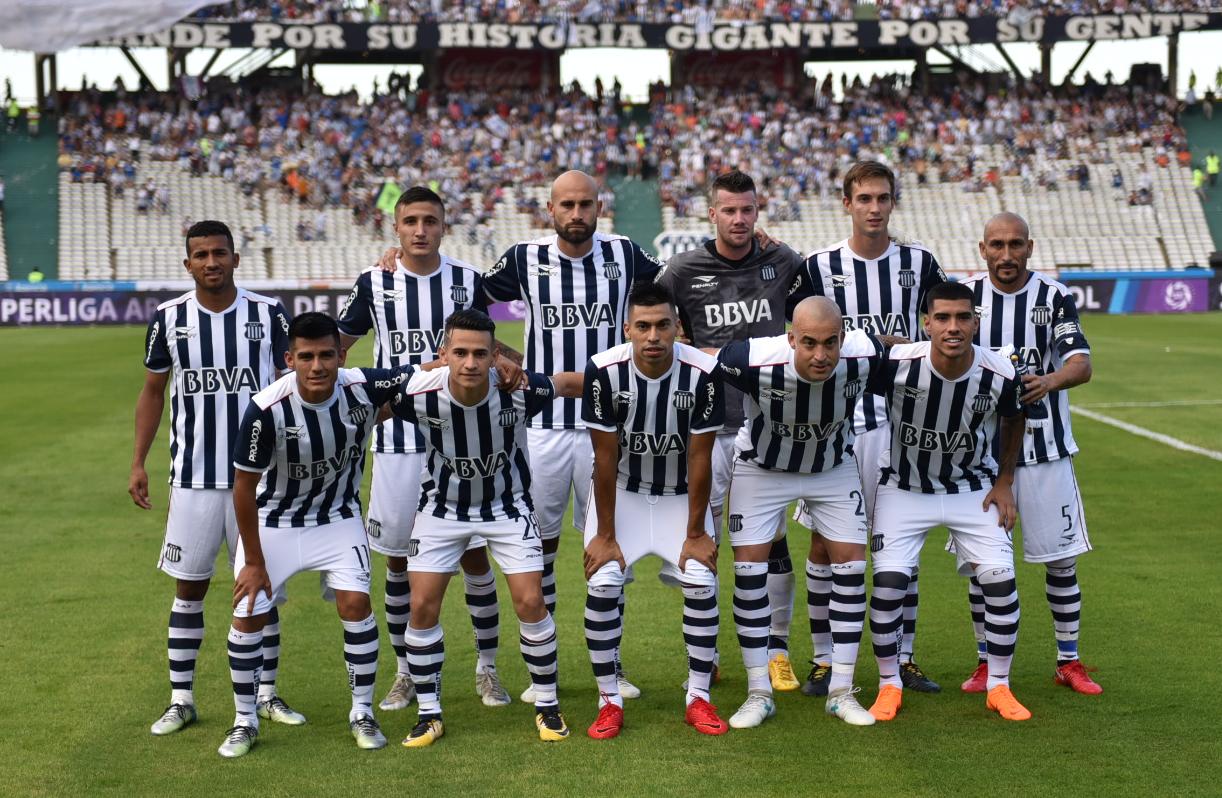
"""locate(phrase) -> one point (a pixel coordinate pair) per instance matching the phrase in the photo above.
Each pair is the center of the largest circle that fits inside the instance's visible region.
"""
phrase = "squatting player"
(801, 391)
(653, 408)
(1037, 317)
(221, 344)
(299, 458)
(943, 397)
(880, 286)
(406, 308)
(477, 483)
(574, 285)
(730, 289)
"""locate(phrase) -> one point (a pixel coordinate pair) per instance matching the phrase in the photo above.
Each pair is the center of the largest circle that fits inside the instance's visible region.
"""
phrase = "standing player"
(299, 455)
(221, 344)
(732, 289)
(575, 285)
(801, 390)
(653, 408)
(406, 309)
(880, 286)
(477, 483)
(1037, 317)
(943, 397)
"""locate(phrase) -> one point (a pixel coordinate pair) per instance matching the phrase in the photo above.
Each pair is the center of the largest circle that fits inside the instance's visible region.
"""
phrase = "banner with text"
(867, 35)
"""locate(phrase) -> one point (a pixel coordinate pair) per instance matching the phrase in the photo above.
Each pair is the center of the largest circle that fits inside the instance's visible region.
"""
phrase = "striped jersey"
(1040, 322)
(793, 424)
(219, 361)
(654, 418)
(885, 296)
(720, 300)
(312, 456)
(407, 313)
(574, 308)
(942, 431)
(478, 468)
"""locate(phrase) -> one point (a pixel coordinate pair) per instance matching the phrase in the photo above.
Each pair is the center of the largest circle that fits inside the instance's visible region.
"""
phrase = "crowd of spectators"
(691, 12)
(337, 151)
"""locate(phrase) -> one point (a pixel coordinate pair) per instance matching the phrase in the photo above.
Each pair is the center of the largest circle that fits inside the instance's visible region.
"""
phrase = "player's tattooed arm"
(149, 406)
(603, 547)
(569, 384)
(892, 340)
(698, 545)
(1073, 372)
(1002, 493)
(508, 352)
(253, 576)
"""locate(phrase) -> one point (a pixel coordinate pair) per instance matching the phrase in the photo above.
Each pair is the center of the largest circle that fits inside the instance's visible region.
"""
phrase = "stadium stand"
(673, 11)
(1102, 172)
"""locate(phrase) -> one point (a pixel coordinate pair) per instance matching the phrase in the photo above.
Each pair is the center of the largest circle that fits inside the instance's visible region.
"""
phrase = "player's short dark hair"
(207, 228)
(420, 194)
(650, 294)
(312, 326)
(470, 319)
(954, 292)
(867, 170)
(733, 181)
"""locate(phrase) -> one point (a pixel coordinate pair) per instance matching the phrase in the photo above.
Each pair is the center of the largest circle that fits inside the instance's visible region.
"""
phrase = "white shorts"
(903, 518)
(1050, 509)
(340, 551)
(723, 473)
(438, 544)
(561, 460)
(647, 525)
(198, 522)
(833, 500)
(869, 449)
(393, 499)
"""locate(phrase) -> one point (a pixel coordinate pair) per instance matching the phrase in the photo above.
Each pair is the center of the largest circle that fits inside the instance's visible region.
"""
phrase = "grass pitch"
(82, 654)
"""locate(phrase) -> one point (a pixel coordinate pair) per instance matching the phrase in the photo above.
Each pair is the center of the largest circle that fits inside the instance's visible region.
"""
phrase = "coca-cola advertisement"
(735, 69)
(493, 70)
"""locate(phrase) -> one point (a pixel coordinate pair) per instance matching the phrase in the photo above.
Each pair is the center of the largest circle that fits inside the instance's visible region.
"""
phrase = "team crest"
(173, 553)
(181, 333)
(254, 331)
(982, 403)
(852, 389)
(876, 543)
(611, 270)
(736, 522)
(683, 400)
(1041, 314)
(508, 417)
(909, 392)
(907, 278)
(413, 547)
(459, 294)
(359, 415)
(373, 528)
(842, 280)
(293, 433)
(768, 272)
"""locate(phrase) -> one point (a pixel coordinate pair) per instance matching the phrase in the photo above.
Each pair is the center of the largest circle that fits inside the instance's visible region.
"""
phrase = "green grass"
(82, 656)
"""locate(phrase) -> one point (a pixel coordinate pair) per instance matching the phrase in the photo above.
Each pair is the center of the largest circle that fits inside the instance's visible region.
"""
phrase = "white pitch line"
(1184, 403)
(1174, 443)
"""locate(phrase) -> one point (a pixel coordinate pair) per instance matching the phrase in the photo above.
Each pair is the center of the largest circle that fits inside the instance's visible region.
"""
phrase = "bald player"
(801, 391)
(1035, 317)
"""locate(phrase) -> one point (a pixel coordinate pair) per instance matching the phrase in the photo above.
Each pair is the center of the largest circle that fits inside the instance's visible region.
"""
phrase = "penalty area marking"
(1167, 440)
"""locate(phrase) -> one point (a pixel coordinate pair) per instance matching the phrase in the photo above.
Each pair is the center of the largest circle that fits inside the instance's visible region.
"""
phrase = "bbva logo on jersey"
(806, 432)
(415, 342)
(934, 440)
(215, 380)
(730, 314)
(477, 467)
(878, 324)
(572, 314)
(656, 444)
